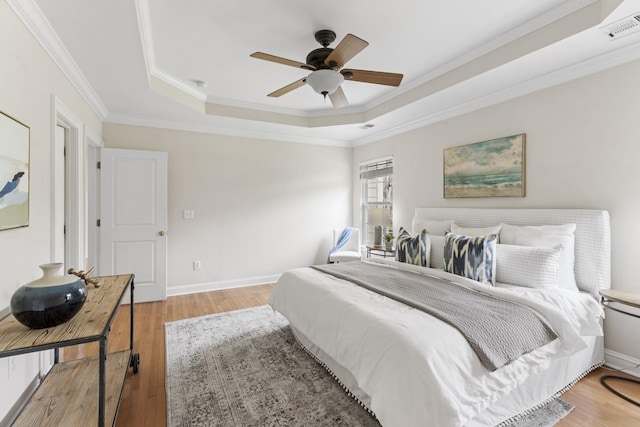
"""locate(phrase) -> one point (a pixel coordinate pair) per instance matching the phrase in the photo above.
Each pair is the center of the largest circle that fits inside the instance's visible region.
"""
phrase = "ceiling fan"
(326, 69)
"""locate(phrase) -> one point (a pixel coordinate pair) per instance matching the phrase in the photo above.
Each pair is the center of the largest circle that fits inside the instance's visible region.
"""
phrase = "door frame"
(93, 145)
(74, 210)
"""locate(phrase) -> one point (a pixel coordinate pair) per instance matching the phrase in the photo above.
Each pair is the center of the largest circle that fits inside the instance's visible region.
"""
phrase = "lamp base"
(377, 235)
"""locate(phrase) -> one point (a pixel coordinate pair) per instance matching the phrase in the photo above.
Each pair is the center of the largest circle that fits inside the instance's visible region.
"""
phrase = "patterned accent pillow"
(471, 257)
(413, 250)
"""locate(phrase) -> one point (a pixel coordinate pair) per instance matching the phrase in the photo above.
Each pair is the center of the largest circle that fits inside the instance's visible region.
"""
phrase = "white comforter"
(417, 369)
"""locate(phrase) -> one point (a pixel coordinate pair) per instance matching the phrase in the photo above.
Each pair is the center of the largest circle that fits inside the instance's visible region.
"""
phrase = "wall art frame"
(15, 140)
(493, 168)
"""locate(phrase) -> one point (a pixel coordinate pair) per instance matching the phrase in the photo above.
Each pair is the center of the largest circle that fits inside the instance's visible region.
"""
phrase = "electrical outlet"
(188, 214)
(197, 265)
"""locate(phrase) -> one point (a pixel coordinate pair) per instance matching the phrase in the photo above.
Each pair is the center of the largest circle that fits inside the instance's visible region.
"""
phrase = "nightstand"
(380, 251)
(630, 299)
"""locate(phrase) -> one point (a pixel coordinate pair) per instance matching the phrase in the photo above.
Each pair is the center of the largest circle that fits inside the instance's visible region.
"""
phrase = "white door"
(133, 219)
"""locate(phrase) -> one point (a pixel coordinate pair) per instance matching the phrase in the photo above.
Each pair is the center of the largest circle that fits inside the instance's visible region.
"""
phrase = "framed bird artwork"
(14, 173)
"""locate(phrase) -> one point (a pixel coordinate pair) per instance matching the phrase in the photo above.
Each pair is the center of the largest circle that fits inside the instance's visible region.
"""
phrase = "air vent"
(622, 27)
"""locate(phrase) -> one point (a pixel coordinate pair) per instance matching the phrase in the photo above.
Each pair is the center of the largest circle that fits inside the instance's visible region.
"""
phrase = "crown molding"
(283, 136)
(539, 22)
(178, 84)
(33, 18)
(590, 66)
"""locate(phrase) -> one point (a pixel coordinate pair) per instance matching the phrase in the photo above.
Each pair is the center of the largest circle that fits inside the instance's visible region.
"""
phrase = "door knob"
(162, 233)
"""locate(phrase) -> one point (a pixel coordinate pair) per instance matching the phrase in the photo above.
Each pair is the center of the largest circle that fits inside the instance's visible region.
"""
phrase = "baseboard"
(622, 362)
(223, 284)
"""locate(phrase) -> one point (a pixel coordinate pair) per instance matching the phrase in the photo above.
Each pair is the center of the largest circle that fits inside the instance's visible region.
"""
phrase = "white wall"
(28, 78)
(582, 151)
(261, 207)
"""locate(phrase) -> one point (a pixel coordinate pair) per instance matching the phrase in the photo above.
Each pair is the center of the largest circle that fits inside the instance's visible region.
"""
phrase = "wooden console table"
(75, 392)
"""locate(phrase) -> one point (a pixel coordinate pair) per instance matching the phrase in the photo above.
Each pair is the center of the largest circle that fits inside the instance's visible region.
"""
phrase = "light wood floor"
(143, 401)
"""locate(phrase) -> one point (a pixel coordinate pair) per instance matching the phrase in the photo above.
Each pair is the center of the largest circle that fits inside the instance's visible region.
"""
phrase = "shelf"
(90, 324)
(68, 396)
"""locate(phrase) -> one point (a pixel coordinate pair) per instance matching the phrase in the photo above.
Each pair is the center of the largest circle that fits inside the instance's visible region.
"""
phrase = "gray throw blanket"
(499, 331)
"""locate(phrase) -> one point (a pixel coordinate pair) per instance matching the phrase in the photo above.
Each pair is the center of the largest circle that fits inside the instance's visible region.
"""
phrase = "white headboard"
(593, 235)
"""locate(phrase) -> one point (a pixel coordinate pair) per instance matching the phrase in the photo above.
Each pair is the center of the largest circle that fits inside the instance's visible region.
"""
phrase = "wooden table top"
(622, 297)
(90, 324)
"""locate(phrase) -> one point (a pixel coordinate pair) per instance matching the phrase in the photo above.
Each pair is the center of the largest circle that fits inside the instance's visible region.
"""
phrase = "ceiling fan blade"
(288, 88)
(338, 99)
(377, 77)
(284, 61)
(348, 47)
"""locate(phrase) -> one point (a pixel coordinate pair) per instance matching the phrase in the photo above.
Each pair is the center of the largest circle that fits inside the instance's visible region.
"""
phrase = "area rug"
(245, 368)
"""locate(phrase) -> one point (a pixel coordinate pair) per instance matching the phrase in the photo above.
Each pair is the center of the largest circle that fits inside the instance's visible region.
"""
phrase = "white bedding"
(415, 368)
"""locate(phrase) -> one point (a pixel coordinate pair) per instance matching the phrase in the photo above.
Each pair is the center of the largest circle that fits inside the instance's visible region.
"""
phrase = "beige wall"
(28, 79)
(261, 207)
(583, 151)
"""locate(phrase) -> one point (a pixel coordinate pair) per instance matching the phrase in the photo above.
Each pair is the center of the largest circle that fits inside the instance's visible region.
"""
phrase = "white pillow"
(433, 227)
(547, 236)
(437, 252)
(530, 266)
(476, 231)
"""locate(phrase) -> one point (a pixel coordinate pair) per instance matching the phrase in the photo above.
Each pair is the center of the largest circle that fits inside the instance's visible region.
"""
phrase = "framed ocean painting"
(14, 173)
(494, 168)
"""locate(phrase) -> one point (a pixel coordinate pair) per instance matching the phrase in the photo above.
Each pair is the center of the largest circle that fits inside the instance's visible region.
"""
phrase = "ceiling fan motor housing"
(317, 56)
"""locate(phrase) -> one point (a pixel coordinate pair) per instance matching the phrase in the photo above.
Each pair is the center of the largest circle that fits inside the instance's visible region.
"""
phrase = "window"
(377, 199)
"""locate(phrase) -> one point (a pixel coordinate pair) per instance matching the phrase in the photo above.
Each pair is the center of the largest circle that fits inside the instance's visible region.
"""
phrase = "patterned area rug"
(547, 415)
(245, 368)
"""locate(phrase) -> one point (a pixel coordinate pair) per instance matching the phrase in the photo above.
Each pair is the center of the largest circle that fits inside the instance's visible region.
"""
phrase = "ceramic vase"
(49, 301)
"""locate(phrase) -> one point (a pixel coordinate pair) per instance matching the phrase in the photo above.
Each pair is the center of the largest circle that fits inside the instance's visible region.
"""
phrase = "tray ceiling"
(143, 58)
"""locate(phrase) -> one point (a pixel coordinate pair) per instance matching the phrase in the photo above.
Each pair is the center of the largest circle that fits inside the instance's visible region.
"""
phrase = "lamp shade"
(325, 81)
(375, 216)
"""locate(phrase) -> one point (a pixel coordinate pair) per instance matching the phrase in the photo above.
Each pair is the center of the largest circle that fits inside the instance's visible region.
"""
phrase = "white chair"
(350, 251)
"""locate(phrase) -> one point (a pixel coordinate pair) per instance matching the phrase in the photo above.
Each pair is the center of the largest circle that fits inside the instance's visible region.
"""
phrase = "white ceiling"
(136, 61)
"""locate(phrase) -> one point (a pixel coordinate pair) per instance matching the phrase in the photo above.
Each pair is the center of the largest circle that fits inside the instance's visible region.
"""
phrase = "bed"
(411, 368)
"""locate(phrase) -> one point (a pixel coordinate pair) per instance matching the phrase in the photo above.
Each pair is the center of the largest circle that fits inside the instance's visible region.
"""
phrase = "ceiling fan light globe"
(325, 81)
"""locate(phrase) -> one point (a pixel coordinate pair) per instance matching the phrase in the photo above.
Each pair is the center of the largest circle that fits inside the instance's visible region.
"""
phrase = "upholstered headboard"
(593, 235)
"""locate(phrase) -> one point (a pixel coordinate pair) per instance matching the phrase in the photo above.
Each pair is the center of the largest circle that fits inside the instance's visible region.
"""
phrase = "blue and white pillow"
(413, 250)
(471, 257)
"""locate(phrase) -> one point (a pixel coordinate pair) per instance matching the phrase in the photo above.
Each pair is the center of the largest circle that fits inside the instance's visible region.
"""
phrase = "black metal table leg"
(135, 357)
(102, 382)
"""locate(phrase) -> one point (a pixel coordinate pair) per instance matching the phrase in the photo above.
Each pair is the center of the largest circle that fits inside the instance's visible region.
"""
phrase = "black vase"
(49, 301)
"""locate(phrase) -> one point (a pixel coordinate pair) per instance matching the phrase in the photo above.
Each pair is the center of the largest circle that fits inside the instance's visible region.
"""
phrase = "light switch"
(188, 214)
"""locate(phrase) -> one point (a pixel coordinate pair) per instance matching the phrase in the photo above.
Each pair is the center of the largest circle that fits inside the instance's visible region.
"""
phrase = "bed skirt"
(561, 375)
